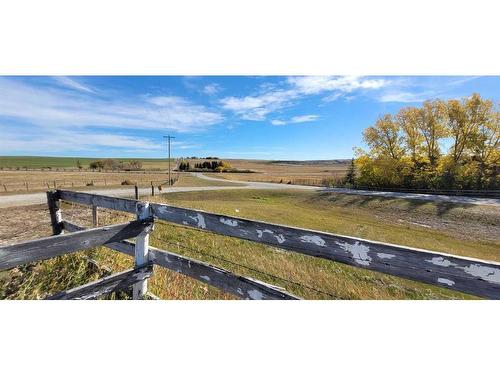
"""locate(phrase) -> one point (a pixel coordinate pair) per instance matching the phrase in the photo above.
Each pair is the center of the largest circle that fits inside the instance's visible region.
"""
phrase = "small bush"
(127, 182)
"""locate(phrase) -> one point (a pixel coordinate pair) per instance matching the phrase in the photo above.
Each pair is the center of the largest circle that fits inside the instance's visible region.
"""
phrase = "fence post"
(136, 192)
(144, 212)
(152, 190)
(55, 211)
(95, 216)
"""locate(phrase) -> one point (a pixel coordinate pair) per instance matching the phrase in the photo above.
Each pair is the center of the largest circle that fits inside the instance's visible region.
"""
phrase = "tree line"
(450, 144)
(216, 166)
(112, 164)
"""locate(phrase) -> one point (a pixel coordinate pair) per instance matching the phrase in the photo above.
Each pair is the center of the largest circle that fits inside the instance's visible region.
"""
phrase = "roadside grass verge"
(186, 180)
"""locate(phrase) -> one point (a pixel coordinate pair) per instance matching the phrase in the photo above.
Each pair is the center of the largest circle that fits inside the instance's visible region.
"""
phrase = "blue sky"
(266, 117)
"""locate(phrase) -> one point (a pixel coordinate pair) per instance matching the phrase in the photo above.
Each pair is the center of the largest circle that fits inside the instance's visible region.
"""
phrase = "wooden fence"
(473, 276)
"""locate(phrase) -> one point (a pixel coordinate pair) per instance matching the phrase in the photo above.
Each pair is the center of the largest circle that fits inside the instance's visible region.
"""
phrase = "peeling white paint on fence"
(385, 256)
(279, 237)
(200, 221)
(231, 223)
(440, 261)
(486, 273)
(446, 281)
(260, 233)
(359, 252)
(255, 294)
(317, 240)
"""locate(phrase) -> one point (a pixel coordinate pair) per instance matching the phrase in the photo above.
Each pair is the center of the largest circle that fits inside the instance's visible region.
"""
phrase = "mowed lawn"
(305, 276)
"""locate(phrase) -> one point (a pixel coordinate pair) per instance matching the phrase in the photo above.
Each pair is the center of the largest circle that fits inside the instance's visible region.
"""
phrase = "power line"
(169, 137)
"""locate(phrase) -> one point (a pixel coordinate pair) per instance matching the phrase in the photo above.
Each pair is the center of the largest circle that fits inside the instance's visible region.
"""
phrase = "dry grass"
(16, 181)
(307, 173)
(297, 173)
(186, 179)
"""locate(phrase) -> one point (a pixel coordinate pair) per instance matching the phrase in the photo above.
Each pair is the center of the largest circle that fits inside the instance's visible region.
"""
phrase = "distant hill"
(311, 162)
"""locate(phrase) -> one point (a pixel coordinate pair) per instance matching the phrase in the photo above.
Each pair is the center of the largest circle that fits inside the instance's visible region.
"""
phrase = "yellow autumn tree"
(441, 144)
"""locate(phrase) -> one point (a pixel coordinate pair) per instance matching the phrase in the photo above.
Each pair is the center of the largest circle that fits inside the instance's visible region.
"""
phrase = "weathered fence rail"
(114, 237)
(118, 282)
(49, 247)
(242, 287)
(474, 276)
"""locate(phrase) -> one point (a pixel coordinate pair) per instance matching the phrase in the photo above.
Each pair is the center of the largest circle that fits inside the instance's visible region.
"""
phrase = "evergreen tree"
(350, 177)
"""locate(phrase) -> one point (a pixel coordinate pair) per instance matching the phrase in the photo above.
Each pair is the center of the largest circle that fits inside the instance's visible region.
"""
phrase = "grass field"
(64, 172)
(307, 277)
(69, 162)
(29, 181)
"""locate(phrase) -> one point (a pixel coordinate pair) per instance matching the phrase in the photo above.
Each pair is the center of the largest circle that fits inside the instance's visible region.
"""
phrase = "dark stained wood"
(121, 281)
(119, 204)
(95, 216)
(474, 276)
(242, 287)
(54, 211)
(49, 247)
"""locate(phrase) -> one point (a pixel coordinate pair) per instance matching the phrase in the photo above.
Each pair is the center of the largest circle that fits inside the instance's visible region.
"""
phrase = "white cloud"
(278, 122)
(72, 84)
(74, 141)
(295, 120)
(304, 118)
(318, 84)
(49, 107)
(257, 107)
(405, 97)
(211, 89)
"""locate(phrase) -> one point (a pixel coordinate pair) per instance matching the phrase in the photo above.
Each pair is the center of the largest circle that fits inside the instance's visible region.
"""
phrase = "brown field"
(301, 173)
(24, 181)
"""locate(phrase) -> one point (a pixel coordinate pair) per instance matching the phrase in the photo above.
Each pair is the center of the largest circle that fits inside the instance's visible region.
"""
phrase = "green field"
(307, 277)
(67, 162)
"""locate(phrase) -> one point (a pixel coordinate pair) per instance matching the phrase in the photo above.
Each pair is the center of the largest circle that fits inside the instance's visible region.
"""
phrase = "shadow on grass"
(404, 204)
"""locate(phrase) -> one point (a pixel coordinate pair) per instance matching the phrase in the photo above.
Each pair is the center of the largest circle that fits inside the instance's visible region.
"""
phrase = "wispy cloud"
(72, 84)
(295, 120)
(211, 89)
(319, 84)
(406, 96)
(62, 140)
(272, 98)
(49, 107)
(304, 118)
(278, 122)
(257, 107)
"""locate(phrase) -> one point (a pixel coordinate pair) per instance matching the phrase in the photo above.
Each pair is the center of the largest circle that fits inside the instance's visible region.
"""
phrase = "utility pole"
(169, 137)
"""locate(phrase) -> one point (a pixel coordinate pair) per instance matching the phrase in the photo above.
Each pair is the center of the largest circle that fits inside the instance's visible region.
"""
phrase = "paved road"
(386, 194)
(39, 198)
